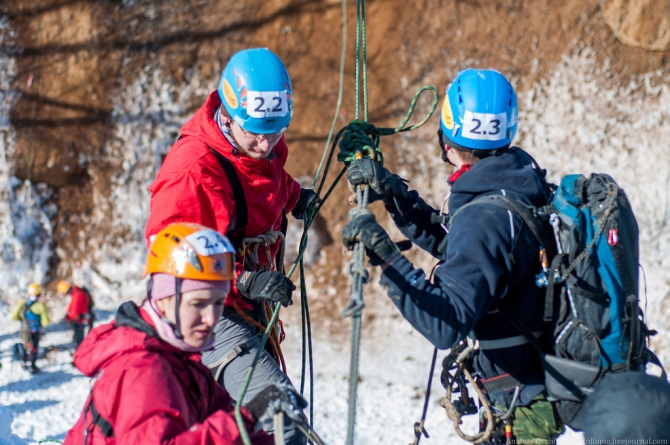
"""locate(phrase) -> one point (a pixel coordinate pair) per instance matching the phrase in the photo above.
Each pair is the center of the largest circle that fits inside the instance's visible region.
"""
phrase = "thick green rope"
(361, 139)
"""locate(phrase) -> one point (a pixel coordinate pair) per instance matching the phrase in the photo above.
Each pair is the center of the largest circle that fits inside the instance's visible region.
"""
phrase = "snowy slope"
(394, 370)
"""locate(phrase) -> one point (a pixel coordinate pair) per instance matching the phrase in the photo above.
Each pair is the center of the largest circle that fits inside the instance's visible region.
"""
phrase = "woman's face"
(198, 313)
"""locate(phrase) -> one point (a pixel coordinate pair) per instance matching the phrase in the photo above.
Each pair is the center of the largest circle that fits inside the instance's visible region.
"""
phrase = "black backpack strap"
(519, 325)
(529, 214)
(97, 420)
(279, 259)
(236, 233)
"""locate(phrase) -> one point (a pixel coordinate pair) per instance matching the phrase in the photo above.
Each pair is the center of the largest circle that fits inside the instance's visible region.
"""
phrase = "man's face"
(256, 146)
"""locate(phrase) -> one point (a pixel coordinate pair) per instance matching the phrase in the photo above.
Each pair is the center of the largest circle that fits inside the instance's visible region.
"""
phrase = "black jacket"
(490, 255)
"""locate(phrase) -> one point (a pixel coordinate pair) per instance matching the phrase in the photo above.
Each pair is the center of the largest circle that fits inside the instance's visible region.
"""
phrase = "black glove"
(266, 285)
(384, 184)
(275, 399)
(378, 246)
(306, 198)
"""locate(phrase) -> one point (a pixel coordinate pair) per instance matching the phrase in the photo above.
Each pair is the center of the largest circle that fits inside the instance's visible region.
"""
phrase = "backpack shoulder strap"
(236, 233)
(99, 421)
(529, 214)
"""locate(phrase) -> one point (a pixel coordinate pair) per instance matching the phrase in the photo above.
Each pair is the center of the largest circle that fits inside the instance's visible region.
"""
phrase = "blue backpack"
(589, 254)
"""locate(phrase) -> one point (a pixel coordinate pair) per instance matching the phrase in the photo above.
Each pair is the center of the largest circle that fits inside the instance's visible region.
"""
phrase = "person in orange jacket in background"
(79, 311)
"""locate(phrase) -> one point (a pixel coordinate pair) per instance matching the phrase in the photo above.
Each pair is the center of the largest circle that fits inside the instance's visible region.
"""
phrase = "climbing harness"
(455, 375)
(250, 247)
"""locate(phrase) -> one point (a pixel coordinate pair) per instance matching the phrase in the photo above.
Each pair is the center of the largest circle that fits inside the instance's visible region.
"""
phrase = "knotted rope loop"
(364, 137)
(250, 248)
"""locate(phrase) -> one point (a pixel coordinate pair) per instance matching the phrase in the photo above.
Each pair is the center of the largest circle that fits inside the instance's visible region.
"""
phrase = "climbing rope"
(458, 358)
(359, 139)
(419, 427)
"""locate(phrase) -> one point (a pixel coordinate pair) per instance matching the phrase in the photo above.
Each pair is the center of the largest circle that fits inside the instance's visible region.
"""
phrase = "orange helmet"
(63, 287)
(192, 251)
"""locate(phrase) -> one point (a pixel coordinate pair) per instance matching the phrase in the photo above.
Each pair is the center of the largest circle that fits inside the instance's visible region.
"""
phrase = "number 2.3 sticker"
(261, 104)
(484, 126)
(209, 242)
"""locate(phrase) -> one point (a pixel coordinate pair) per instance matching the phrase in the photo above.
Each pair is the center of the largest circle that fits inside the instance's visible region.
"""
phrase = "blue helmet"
(480, 111)
(256, 90)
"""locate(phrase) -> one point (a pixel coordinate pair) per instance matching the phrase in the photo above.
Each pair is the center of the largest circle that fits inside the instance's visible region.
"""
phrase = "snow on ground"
(394, 370)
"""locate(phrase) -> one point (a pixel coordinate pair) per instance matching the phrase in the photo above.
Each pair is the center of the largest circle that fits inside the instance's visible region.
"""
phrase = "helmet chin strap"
(445, 158)
(177, 303)
(175, 326)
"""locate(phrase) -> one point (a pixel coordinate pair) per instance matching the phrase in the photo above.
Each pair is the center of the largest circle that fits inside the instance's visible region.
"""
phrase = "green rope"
(310, 215)
(364, 138)
(359, 137)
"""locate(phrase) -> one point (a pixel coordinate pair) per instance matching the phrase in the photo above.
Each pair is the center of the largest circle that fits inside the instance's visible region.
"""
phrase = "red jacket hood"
(131, 331)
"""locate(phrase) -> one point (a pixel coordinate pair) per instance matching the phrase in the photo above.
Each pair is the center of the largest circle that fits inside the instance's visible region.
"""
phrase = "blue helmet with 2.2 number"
(256, 90)
(480, 111)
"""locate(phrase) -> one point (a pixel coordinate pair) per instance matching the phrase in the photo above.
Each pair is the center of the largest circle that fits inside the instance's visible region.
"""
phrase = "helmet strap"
(175, 326)
(177, 303)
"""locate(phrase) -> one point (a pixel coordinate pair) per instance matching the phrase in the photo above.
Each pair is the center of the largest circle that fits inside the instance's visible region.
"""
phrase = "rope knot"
(360, 138)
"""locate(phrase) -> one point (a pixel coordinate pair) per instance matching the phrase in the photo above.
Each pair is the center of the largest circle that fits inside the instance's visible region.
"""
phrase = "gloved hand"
(378, 246)
(275, 399)
(266, 285)
(384, 184)
(306, 198)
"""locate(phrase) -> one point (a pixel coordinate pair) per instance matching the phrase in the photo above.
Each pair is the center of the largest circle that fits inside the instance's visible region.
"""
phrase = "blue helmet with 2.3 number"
(256, 90)
(480, 111)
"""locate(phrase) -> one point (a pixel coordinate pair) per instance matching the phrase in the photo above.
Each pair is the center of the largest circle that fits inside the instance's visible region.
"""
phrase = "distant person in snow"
(33, 316)
(150, 386)
(79, 310)
(226, 171)
(489, 254)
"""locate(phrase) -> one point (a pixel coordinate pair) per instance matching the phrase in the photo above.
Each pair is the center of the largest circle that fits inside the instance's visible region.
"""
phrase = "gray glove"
(266, 285)
(385, 185)
(275, 399)
(378, 246)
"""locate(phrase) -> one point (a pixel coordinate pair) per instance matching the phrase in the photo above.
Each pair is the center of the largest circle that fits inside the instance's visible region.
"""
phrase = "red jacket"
(192, 186)
(151, 392)
(79, 302)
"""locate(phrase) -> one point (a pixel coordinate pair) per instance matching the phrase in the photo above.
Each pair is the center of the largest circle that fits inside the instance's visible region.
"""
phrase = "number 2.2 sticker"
(484, 126)
(262, 104)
